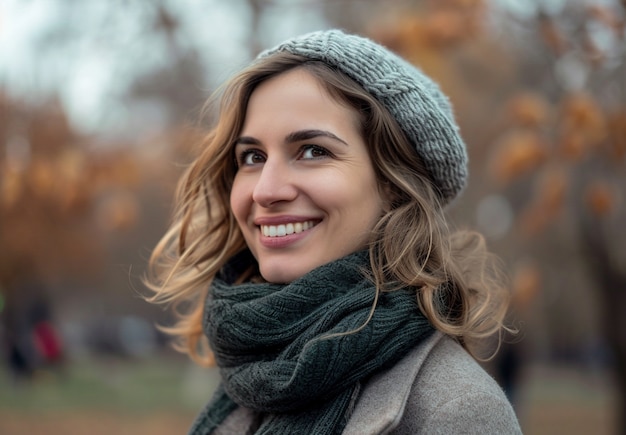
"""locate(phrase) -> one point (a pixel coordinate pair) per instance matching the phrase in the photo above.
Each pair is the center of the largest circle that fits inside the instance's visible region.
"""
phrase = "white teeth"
(286, 229)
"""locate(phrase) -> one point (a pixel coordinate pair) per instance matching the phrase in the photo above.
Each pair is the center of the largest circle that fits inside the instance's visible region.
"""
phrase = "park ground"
(162, 396)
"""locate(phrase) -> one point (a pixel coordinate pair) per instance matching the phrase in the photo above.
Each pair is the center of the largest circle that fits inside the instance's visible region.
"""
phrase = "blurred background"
(100, 111)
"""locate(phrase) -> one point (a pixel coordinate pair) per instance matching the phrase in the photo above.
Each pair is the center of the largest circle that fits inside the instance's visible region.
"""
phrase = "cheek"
(238, 203)
(355, 200)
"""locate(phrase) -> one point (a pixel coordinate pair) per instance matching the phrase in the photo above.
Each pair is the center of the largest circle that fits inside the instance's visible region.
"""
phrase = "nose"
(275, 184)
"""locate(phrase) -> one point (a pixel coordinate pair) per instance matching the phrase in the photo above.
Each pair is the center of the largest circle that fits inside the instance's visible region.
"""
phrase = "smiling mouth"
(286, 229)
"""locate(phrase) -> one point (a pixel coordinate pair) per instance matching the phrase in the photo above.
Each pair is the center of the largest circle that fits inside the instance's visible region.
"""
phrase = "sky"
(88, 52)
(72, 49)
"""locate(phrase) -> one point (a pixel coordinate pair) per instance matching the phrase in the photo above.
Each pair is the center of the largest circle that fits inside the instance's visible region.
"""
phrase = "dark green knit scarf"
(278, 355)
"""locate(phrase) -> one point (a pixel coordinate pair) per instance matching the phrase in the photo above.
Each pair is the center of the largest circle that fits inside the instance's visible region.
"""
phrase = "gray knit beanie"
(414, 100)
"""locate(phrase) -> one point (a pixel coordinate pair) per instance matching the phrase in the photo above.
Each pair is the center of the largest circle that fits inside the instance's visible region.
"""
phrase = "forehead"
(299, 97)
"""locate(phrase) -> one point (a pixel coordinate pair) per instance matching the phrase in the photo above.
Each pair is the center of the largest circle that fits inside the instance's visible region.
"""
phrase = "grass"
(111, 384)
(164, 394)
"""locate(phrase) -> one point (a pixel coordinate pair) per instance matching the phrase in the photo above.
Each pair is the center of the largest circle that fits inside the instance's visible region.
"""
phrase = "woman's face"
(305, 192)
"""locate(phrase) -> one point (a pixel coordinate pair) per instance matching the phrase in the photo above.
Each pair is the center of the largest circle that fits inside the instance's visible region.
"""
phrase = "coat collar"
(381, 404)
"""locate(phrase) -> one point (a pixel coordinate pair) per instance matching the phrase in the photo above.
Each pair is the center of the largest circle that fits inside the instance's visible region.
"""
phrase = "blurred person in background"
(311, 251)
(29, 335)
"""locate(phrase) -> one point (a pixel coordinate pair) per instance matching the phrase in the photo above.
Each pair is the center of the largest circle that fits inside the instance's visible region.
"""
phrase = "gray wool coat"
(438, 388)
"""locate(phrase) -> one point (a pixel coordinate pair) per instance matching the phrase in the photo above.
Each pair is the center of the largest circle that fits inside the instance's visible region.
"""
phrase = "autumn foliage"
(557, 135)
(58, 198)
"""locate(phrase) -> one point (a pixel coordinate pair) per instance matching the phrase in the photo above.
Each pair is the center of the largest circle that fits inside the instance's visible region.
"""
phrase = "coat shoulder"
(437, 388)
(452, 394)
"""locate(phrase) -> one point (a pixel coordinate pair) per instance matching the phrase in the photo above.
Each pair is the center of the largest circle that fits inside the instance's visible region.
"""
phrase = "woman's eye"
(250, 157)
(313, 152)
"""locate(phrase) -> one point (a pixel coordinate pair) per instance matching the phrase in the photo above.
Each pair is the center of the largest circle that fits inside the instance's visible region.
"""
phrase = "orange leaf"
(75, 198)
(119, 212)
(446, 27)
(551, 189)
(533, 220)
(617, 135)
(528, 109)
(517, 153)
(547, 202)
(581, 115)
(11, 188)
(572, 146)
(526, 284)
(552, 35)
(600, 198)
(43, 178)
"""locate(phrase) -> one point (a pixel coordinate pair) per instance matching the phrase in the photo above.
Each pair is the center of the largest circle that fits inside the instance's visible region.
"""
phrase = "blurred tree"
(84, 204)
(44, 196)
(50, 184)
(540, 99)
(579, 176)
(542, 102)
(138, 67)
(177, 85)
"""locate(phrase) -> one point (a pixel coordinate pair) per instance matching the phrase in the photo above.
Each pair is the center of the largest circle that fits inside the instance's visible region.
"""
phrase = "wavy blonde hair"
(456, 279)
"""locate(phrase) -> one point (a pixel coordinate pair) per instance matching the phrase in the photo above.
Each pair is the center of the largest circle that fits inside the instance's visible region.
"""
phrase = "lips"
(286, 229)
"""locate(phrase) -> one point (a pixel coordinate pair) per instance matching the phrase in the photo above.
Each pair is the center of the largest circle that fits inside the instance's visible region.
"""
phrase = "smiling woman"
(311, 241)
(308, 169)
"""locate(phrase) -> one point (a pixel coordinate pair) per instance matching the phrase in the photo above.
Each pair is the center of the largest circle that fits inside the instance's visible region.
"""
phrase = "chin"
(280, 275)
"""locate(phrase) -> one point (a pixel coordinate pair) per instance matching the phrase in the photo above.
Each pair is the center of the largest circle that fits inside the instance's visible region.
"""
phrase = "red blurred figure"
(47, 342)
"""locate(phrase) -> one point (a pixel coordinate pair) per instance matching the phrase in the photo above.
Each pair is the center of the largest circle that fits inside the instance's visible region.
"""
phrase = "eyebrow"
(296, 136)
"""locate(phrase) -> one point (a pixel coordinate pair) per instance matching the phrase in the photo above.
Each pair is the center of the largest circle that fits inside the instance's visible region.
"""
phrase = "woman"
(311, 250)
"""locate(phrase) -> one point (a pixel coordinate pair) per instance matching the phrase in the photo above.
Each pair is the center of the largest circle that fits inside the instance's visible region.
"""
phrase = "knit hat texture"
(413, 99)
